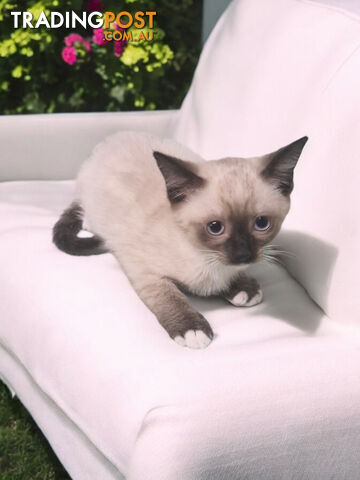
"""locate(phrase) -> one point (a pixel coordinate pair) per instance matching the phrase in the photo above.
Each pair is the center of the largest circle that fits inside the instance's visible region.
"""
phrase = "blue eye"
(215, 228)
(262, 223)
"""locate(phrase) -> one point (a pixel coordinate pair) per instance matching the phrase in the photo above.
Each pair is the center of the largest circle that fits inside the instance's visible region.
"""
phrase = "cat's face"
(231, 207)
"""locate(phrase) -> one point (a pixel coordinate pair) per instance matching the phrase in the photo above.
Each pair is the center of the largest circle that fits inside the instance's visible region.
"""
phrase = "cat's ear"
(279, 165)
(180, 179)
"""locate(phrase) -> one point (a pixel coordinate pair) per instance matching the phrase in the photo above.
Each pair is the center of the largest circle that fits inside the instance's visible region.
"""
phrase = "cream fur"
(124, 198)
(161, 246)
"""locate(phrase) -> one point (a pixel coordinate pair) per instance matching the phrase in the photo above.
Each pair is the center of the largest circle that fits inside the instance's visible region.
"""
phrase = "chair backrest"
(272, 72)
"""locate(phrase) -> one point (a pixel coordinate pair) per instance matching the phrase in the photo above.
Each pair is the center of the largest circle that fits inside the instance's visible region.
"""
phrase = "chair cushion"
(270, 73)
(277, 390)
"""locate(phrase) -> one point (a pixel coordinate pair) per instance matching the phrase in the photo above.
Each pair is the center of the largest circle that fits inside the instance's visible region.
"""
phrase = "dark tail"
(65, 234)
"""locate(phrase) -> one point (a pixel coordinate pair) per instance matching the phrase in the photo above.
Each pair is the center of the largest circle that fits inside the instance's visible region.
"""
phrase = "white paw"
(84, 234)
(193, 339)
(255, 299)
(241, 299)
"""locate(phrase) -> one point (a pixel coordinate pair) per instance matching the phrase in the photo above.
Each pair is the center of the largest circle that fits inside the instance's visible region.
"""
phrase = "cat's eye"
(262, 223)
(215, 227)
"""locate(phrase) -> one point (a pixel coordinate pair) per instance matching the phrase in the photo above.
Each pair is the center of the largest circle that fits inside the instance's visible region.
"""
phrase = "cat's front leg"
(184, 324)
(244, 292)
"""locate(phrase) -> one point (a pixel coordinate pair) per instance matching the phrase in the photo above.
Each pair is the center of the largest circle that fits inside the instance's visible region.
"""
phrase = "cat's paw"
(194, 333)
(243, 299)
(244, 292)
(193, 339)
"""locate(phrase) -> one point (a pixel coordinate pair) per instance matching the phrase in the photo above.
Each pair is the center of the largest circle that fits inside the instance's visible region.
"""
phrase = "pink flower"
(69, 55)
(119, 45)
(117, 27)
(72, 38)
(95, 5)
(98, 36)
(76, 38)
(119, 48)
(86, 45)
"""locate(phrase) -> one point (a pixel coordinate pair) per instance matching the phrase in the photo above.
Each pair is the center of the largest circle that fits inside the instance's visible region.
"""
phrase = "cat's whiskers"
(275, 254)
(272, 259)
(276, 250)
(212, 256)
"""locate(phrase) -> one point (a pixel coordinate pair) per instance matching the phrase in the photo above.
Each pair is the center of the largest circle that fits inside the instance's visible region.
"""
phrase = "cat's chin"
(238, 266)
(244, 266)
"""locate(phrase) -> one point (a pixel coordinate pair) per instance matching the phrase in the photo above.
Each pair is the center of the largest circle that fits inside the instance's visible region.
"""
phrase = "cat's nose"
(242, 257)
(239, 249)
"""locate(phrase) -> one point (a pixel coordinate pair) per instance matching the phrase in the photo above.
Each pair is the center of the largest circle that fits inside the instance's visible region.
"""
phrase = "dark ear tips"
(280, 165)
(180, 179)
(294, 149)
(301, 142)
(158, 156)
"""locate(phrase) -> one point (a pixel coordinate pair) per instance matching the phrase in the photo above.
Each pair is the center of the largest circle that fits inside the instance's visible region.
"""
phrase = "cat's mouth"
(239, 259)
(243, 257)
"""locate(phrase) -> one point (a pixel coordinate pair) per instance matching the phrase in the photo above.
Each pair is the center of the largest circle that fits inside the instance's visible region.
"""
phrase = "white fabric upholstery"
(277, 391)
(276, 395)
(347, 6)
(270, 73)
(52, 147)
(74, 449)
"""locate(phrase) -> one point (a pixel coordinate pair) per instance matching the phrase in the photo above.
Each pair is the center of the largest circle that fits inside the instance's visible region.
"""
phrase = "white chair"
(277, 394)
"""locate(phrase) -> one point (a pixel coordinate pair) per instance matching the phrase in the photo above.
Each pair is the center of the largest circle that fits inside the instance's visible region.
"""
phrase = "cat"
(178, 224)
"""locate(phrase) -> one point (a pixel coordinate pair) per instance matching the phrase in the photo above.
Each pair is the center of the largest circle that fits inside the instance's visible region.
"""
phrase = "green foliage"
(34, 78)
(24, 452)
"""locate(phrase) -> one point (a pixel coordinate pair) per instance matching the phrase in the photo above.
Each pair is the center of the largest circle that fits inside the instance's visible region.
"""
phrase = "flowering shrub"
(72, 70)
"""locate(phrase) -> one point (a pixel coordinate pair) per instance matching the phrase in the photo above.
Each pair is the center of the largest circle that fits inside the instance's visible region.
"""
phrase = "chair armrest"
(51, 147)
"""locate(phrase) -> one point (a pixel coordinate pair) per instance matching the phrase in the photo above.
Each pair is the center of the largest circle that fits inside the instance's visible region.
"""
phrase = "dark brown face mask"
(240, 231)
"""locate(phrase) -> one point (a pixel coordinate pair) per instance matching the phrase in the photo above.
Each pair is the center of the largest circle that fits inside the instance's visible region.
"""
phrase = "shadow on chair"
(288, 295)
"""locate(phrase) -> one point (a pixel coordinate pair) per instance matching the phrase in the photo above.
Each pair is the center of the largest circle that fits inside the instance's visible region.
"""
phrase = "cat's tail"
(65, 234)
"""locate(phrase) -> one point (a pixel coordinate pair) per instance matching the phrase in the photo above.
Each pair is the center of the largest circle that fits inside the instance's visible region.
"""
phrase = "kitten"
(179, 224)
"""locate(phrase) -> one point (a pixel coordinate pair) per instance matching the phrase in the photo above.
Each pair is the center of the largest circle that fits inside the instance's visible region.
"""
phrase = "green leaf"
(17, 71)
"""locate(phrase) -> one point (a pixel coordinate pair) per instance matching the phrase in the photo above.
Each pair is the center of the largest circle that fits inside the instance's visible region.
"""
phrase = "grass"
(24, 452)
